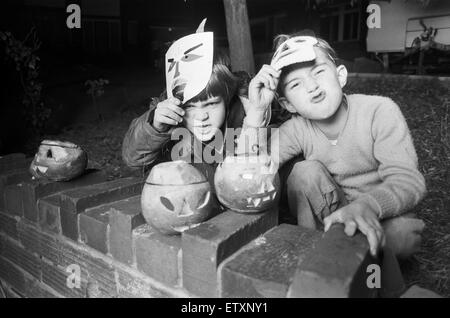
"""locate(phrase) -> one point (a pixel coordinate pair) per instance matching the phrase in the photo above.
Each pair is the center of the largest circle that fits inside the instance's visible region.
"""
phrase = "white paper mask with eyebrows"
(189, 62)
(295, 50)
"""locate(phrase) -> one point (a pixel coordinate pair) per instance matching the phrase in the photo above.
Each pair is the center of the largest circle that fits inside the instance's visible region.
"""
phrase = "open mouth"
(178, 87)
(318, 98)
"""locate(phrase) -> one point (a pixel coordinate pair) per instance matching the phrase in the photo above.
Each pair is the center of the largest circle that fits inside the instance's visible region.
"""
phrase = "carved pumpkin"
(176, 197)
(247, 184)
(58, 161)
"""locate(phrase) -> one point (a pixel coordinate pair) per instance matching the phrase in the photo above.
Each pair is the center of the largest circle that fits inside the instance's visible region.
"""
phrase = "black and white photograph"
(222, 154)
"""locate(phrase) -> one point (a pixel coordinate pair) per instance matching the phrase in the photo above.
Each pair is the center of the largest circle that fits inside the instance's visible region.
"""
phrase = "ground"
(425, 104)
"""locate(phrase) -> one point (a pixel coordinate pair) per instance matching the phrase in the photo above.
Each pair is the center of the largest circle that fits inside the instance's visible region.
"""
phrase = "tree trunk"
(239, 38)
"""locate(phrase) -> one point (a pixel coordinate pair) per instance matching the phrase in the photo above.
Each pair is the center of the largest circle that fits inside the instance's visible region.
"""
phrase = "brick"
(12, 196)
(12, 275)
(49, 211)
(33, 190)
(9, 178)
(124, 217)
(8, 225)
(22, 258)
(94, 269)
(49, 247)
(57, 279)
(266, 266)
(207, 245)
(38, 242)
(10, 292)
(157, 255)
(29, 236)
(335, 267)
(132, 284)
(76, 201)
(35, 289)
(94, 228)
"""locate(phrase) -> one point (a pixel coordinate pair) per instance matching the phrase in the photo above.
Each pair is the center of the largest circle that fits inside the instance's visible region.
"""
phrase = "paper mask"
(189, 63)
(295, 50)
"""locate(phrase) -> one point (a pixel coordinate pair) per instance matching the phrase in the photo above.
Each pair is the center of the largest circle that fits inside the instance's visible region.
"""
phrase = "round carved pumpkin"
(247, 184)
(58, 161)
(176, 197)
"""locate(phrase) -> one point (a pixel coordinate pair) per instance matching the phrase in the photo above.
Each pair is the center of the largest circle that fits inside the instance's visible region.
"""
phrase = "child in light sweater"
(360, 165)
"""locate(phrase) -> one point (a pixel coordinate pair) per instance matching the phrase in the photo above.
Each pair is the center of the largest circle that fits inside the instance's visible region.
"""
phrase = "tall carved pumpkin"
(247, 183)
(176, 197)
(58, 161)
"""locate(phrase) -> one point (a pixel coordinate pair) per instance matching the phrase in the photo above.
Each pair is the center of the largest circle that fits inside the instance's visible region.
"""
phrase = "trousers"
(310, 194)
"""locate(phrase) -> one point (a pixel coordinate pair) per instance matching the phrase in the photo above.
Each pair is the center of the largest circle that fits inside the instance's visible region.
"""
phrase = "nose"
(201, 115)
(311, 85)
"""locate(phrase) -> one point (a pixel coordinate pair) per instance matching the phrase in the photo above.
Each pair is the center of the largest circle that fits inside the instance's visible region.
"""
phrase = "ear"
(286, 105)
(342, 75)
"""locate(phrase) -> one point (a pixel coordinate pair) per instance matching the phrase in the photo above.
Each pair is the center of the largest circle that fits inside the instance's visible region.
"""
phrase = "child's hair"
(222, 82)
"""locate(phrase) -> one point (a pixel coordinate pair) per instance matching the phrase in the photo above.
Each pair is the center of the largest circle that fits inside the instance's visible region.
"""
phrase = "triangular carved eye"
(166, 202)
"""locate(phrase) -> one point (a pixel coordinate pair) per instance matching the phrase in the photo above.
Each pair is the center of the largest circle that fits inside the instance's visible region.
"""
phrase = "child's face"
(314, 90)
(204, 118)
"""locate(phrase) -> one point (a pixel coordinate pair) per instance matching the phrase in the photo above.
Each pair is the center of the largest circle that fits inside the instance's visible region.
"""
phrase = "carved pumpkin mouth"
(266, 192)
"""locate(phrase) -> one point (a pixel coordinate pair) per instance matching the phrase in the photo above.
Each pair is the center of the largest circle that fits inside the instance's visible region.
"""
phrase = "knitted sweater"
(374, 159)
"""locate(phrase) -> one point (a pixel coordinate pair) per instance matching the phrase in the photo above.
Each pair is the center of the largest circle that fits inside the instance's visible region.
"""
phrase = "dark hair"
(222, 82)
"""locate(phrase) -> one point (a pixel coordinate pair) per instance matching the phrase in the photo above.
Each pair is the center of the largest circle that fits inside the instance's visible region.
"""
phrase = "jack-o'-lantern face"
(176, 197)
(246, 185)
(58, 161)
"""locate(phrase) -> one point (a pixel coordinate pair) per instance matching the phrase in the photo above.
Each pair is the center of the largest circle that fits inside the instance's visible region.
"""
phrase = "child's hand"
(168, 113)
(261, 92)
(360, 216)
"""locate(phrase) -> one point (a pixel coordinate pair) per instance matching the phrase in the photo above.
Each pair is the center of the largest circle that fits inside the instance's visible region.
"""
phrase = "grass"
(425, 105)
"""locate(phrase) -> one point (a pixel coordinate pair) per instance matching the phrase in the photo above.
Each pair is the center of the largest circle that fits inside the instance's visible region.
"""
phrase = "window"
(340, 23)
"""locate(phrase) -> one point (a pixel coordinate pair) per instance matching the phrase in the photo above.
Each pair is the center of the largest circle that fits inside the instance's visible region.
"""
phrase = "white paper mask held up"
(189, 62)
(295, 50)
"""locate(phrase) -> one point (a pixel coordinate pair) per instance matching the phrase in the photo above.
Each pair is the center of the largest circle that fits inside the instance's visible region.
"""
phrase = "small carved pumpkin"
(247, 184)
(176, 197)
(58, 161)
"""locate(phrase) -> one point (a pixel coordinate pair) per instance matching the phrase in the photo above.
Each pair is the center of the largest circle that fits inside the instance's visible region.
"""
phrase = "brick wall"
(49, 230)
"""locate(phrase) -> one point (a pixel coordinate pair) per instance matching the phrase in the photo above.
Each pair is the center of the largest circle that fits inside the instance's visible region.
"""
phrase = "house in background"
(407, 27)
(139, 31)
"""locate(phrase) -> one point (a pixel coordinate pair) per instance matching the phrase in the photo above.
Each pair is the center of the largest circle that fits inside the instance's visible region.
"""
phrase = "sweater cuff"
(381, 201)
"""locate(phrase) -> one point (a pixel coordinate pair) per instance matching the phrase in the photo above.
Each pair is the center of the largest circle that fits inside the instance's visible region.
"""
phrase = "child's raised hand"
(168, 113)
(261, 91)
(358, 215)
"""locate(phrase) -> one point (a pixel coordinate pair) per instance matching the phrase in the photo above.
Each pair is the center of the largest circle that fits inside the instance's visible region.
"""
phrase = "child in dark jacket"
(202, 121)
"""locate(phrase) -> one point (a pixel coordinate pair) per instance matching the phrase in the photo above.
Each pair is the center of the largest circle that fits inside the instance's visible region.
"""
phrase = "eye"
(320, 71)
(190, 57)
(166, 202)
(295, 84)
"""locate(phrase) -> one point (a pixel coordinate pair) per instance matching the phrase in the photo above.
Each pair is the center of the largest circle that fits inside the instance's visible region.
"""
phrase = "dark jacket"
(144, 146)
